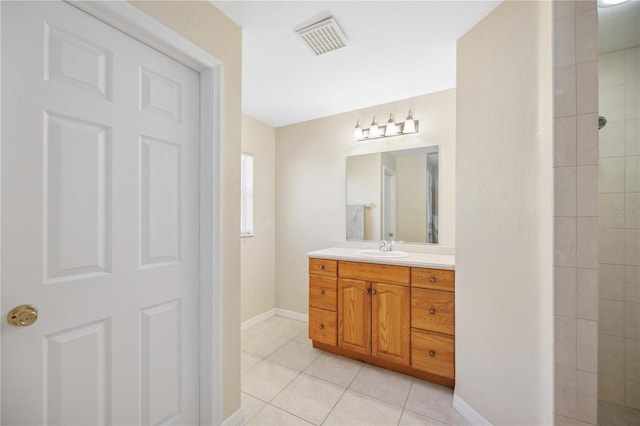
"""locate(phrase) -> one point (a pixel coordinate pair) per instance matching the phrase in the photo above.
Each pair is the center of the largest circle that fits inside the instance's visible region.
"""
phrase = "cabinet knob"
(321, 292)
(432, 354)
(321, 266)
(321, 326)
(373, 292)
(367, 291)
(432, 311)
(432, 279)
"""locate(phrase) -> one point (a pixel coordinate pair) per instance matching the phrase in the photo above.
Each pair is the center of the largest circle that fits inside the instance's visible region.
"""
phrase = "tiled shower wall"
(619, 339)
(576, 211)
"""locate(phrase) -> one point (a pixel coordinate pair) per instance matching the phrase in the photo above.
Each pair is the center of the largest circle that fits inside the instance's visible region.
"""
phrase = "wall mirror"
(393, 196)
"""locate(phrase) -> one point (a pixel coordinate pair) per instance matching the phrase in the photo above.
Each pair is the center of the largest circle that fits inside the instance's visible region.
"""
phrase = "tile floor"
(285, 381)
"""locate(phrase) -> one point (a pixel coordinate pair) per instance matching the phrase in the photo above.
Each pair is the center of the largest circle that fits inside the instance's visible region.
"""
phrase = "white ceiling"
(619, 26)
(395, 50)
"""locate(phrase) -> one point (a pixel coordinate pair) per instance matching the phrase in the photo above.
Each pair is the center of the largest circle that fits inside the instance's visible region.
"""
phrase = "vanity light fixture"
(390, 129)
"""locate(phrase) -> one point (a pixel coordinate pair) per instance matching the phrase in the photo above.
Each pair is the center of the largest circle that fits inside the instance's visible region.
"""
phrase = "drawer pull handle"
(321, 326)
(322, 292)
(432, 311)
(432, 279)
(432, 354)
(322, 267)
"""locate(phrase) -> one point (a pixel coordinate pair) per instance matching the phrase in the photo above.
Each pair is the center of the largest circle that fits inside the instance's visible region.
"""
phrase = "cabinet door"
(390, 310)
(354, 315)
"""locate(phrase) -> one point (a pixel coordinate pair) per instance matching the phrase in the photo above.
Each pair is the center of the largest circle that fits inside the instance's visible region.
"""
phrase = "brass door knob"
(23, 315)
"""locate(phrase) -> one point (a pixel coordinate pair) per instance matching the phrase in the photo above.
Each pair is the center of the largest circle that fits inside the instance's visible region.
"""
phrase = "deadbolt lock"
(23, 315)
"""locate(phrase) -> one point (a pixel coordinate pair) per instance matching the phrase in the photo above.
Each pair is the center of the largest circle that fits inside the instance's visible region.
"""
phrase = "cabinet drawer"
(437, 279)
(432, 310)
(323, 292)
(433, 353)
(391, 274)
(326, 267)
(322, 326)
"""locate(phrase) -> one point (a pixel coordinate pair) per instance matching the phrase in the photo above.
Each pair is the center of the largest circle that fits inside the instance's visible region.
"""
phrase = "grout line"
(334, 406)
(408, 393)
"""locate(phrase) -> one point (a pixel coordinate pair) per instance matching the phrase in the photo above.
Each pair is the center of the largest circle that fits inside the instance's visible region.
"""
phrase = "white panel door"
(100, 143)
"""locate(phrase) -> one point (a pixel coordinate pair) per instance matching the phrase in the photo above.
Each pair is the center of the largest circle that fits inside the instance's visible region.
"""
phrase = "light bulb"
(409, 124)
(357, 132)
(390, 128)
(374, 130)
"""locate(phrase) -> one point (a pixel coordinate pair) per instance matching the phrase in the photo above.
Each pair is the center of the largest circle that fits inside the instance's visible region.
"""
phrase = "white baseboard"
(293, 315)
(258, 318)
(236, 419)
(279, 312)
(468, 412)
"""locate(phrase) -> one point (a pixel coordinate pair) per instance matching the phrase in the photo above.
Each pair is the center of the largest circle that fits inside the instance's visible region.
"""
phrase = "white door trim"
(132, 21)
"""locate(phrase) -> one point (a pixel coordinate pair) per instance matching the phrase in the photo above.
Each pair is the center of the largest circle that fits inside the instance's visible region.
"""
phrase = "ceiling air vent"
(323, 36)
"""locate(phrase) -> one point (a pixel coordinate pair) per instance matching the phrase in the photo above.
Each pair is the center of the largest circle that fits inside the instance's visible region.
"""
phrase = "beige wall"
(504, 304)
(363, 187)
(258, 253)
(310, 181)
(411, 173)
(205, 26)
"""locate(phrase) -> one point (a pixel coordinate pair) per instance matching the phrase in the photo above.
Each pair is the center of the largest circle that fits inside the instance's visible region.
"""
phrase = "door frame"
(137, 24)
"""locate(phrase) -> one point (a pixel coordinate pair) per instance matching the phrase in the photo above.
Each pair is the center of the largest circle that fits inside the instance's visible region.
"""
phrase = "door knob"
(23, 315)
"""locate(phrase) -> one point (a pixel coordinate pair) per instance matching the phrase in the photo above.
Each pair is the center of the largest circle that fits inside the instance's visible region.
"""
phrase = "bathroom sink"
(381, 254)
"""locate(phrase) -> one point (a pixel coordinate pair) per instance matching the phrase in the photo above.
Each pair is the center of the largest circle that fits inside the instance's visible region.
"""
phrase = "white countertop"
(422, 260)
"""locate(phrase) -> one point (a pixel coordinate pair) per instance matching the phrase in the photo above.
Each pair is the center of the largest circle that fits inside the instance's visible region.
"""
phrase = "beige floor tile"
(295, 355)
(304, 338)
(271, 415)
(266, 380)
(433, 401)
(410, 418)
(247, 361)
(309, 398)
(282, 327)
(259, 343)
(383, 384)
(250, 406)
(358, 409)
(334, 369)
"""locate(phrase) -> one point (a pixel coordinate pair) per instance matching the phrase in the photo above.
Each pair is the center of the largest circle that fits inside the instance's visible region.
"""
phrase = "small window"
(246, 207)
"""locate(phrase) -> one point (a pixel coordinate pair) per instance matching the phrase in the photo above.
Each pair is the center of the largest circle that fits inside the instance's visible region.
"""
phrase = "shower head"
(601, 122)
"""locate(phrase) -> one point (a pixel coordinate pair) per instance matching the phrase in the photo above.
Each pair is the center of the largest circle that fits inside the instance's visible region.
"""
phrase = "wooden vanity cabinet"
(323, 287)
(373, 319)
(380, 314)
(433, 321)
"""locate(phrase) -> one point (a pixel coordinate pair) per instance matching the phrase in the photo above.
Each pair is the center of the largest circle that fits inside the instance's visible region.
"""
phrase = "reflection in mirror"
(393, 196)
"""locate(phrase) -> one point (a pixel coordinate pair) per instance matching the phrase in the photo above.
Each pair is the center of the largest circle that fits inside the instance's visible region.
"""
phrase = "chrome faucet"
(385, 245)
